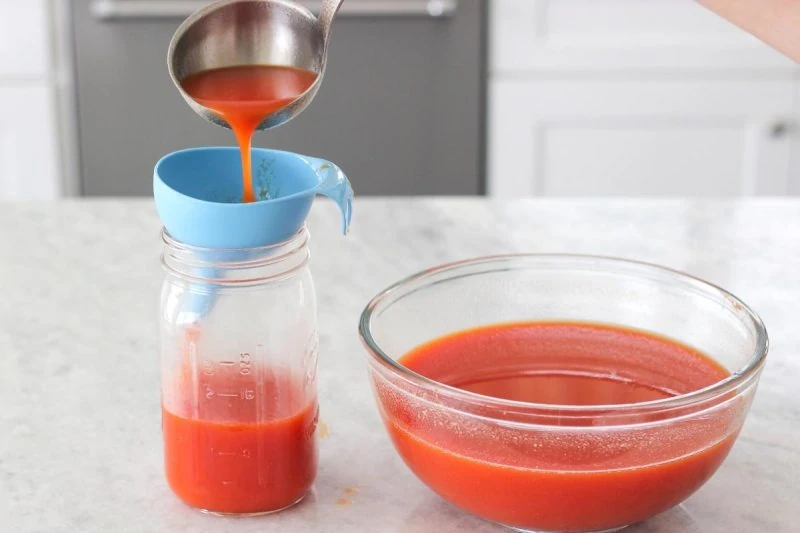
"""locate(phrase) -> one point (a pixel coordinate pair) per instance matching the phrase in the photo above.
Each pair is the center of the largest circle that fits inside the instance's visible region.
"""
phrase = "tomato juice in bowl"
(562, 393)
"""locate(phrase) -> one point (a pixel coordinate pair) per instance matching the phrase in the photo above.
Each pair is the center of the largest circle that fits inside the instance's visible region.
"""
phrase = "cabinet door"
(595, 138)
(599, 35)
(28, 149)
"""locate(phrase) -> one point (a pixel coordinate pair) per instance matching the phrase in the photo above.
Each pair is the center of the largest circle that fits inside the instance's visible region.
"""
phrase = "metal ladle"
(253, 32)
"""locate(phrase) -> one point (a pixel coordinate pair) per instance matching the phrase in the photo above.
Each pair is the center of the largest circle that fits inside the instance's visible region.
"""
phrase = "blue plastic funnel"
(198, 196)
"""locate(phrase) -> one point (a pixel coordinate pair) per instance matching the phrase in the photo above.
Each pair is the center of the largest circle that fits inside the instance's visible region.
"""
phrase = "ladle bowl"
(232, 33)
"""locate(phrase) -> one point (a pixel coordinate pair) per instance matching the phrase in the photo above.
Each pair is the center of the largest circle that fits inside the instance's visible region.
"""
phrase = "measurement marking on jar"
(245, 360)
(227, 363)
(229, 483)
(228, 395)
(227, 454)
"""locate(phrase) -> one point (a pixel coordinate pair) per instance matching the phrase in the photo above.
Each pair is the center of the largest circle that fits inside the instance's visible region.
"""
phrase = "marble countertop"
(80, 443)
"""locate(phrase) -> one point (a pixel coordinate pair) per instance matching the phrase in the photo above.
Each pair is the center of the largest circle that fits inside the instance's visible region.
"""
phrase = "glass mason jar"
(238, 365)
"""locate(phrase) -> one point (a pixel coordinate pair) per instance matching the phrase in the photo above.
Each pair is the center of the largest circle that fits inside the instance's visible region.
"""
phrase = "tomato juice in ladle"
(251, 65)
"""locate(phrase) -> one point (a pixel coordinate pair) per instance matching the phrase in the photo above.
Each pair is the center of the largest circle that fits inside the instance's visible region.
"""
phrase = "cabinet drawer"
(640, 138)
(530, 35)
(28, 149)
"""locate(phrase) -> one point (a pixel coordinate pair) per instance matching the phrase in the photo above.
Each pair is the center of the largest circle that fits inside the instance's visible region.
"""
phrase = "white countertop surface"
(80, 442)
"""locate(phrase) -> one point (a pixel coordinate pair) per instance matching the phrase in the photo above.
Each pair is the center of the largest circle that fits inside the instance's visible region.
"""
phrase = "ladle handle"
(327, 13)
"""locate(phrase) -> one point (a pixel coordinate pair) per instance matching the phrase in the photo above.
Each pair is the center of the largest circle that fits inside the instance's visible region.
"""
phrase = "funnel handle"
(335, 185)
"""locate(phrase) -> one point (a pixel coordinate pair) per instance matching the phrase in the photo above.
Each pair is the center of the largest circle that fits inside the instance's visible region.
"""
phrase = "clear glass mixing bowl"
(638, 459)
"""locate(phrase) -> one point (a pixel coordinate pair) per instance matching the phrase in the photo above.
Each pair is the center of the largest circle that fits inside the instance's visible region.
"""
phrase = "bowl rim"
(737, 379)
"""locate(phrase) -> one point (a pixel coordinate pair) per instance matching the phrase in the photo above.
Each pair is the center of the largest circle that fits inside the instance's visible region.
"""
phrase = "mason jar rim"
(737, 379)
(254, 265)
(171, 242)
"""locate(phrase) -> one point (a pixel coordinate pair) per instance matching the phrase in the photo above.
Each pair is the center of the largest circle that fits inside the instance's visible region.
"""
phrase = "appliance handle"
(109, 10)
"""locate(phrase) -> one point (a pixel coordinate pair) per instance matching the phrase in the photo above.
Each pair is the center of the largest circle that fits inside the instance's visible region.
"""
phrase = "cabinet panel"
(28, 150)
(617, 159)
(530, 35)
(794, 130)
(639, 138)
(23, 38)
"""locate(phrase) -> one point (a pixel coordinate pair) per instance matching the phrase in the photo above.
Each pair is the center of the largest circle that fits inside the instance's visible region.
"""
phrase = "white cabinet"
(23, 38)
(28, 144)
(602, 35)
(588, 138)
(636, 97)
(30, 84)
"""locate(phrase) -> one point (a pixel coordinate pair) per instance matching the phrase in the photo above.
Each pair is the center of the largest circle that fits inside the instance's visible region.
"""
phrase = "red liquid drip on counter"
(245, 96)
(556, 480)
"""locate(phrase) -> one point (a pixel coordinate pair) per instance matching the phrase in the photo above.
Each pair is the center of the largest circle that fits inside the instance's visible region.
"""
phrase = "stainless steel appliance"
(401, 108)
